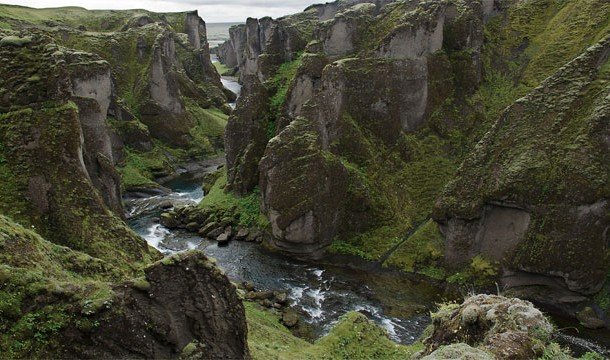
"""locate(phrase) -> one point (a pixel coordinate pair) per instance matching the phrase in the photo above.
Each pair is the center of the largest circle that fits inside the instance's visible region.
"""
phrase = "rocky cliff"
(535, 202)
(370, 75)
(359, 145)
(92, 104)
(61, 303)
(166, 104)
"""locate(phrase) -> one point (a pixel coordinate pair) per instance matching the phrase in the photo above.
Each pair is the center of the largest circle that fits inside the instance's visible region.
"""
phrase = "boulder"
(223, 239)
(248, 285)
(169, 220)
(280, 297)
(290, 318)
(192, 226)
(508, 328)
(242, 233)
(207, 228)
(213, 234)
(259, 295)
(589, 319)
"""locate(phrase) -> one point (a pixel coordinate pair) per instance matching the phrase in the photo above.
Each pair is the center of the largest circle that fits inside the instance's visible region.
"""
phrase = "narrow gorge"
(365, 179)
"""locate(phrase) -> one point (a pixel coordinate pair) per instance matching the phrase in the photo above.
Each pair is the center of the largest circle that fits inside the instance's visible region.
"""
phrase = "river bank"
(320, 292)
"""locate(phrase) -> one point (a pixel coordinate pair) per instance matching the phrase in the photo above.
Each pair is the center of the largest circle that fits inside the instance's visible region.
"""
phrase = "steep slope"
(54, 124)
(365, 125)
(59, 303)
(167, 105)
(77, 128)
(533, 194)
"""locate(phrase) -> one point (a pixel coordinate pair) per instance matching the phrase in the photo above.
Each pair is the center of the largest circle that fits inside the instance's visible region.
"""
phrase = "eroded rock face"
(194, 27)
(503, 327)
(93, 92)
(246, 136)
(497, 233)
(551, 232)
(61, 152)
(416, 39)
(377, 94)
(187, 301)
(340, 35)
(303, 190)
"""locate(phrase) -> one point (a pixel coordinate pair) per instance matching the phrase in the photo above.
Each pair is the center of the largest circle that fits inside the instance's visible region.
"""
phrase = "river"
(320, 293)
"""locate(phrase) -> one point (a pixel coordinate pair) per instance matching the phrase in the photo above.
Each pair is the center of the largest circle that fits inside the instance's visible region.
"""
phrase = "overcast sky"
(209, 10)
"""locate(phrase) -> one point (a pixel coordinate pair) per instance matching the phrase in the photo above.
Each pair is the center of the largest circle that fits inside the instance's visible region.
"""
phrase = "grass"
(422, 252)
(354, 337)
(32, 270)
(139, 168)
(281, 81)
(221, 68)
(208, 131)
(247, 208)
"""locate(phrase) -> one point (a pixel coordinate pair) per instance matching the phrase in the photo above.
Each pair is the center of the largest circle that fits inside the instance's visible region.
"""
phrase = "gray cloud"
(209, 10)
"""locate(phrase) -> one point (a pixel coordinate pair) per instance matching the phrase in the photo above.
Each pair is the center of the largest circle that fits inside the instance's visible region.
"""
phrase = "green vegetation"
(221, 68)
(33, 272)
(480, 272)
(354, 337)
(246, 209)
(139, 168)
(208, 131)
(422, 252)
(280, 82)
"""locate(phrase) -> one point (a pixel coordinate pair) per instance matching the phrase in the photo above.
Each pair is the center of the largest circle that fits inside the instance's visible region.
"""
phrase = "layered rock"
(347, 106)
(497, 327)
(534, 203)
(64, 106)
(182, 305)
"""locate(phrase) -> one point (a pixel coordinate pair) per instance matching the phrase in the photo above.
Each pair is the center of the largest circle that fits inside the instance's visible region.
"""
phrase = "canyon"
(321, 185)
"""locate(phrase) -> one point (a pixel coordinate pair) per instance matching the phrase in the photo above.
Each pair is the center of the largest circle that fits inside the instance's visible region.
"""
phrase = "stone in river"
(192, 226)
(290, 318)
(223, 239)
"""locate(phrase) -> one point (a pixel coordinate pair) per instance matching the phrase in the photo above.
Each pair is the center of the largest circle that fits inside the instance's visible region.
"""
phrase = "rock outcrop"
(538, 204)
(388, 98)
(346, 106)
(500, 327)
(181, 305)
(62, 161)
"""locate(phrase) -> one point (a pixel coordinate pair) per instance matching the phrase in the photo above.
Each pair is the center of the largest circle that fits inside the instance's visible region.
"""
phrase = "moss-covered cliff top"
(547, 148)
(14, 16)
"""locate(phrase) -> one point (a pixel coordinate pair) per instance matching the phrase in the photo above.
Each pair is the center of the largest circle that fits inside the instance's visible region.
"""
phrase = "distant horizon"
(211, 11)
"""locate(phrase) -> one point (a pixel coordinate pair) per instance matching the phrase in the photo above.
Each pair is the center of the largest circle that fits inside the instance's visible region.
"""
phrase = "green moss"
(280, 82)
(141, 284)
(44, 288)
(421, 252)
(99, 300)
(15, 41)
(354, 337)
(221, 68)
(247, 207)
(208, 131)
(480, 272)
(139, 168)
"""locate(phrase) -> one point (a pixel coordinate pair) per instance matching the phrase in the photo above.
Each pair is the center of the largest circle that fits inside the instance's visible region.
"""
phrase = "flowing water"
(229, 82)
(321, 293)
